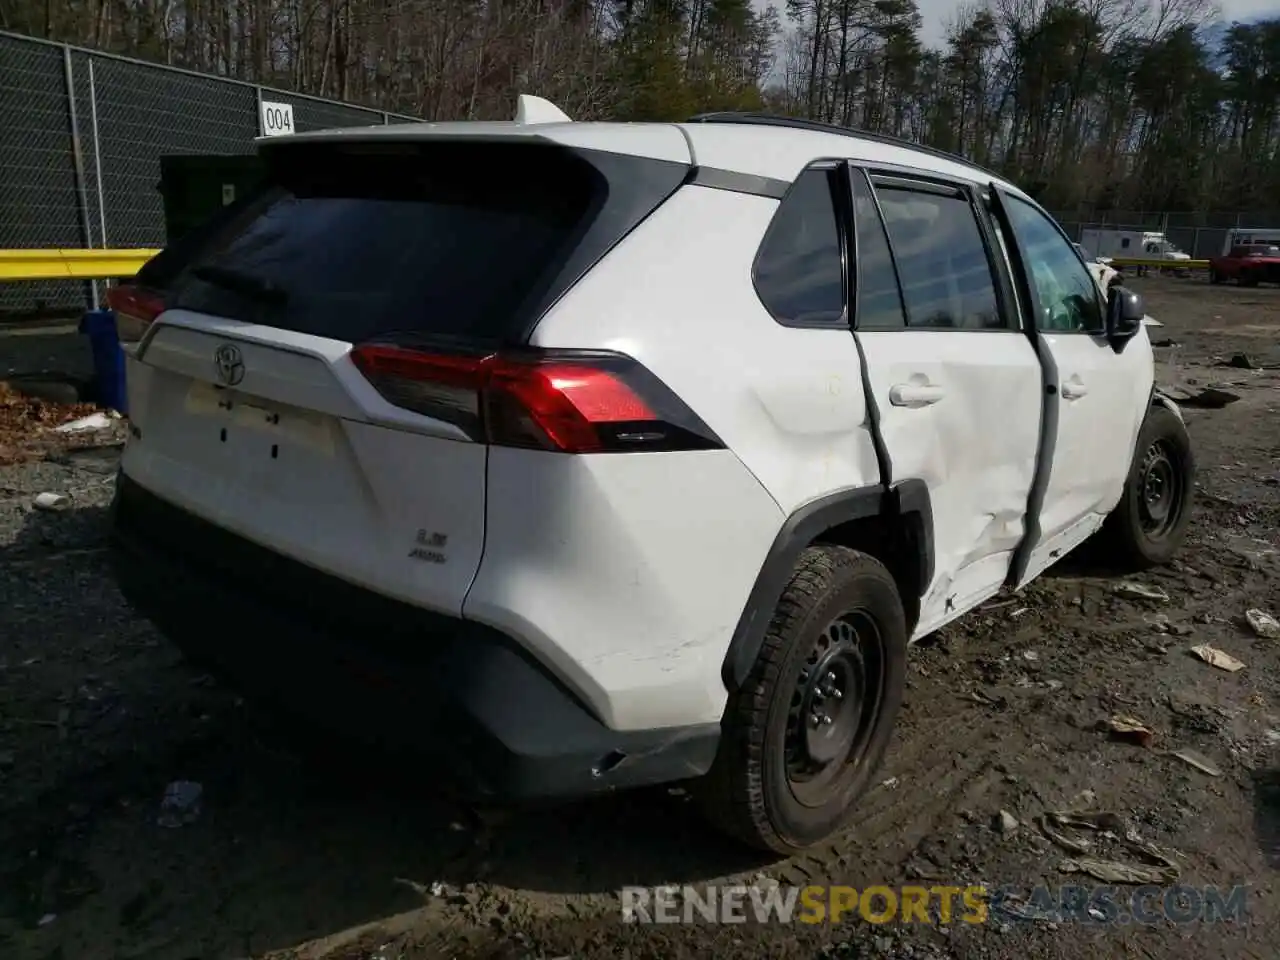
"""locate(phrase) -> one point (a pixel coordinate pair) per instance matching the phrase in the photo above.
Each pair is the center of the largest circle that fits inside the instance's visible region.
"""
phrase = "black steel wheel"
(834, 703)
(1161, 499)
(806, 732)
(1149, 524)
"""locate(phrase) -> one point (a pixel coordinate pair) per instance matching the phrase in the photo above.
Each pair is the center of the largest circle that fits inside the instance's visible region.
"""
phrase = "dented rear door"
(955, 383)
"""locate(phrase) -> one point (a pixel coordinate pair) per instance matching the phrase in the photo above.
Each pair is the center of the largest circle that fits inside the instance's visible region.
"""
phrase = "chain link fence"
(1202, 235)
(81, 136)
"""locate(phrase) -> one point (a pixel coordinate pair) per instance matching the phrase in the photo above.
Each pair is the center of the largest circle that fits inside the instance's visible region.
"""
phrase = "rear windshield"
(461, 240)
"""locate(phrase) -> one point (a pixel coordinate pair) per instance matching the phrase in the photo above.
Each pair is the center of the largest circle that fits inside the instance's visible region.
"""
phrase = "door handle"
(914, 395)
(1074, 389)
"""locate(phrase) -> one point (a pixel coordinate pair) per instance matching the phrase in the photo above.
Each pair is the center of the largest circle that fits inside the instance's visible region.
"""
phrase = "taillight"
(135, 308)
(566, 401)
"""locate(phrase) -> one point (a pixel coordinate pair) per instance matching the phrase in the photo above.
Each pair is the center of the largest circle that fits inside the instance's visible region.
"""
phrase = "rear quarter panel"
(628, 573)
(678, 296)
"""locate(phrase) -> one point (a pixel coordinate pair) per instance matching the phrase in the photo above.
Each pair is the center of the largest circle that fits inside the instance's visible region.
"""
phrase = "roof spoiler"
(537, 110)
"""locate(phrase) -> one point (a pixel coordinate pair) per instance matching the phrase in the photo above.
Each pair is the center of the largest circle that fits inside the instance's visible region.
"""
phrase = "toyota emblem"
(229, 363)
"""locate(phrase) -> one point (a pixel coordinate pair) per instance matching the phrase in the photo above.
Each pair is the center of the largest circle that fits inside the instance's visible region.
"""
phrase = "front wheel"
(804, 735)
(1149, 524)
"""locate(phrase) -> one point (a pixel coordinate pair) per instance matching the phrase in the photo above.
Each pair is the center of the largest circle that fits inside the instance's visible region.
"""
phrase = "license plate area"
(252, 429)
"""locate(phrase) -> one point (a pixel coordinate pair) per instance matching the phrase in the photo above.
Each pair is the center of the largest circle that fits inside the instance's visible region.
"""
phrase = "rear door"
(1098, 396)
(275, 394)
(955, 382)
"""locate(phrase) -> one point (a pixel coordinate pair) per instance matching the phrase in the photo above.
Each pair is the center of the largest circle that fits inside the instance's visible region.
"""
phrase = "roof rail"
(818, 126)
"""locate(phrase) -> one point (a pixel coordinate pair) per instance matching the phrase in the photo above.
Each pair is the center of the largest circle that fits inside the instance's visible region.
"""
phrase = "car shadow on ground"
(1266, 798)
(295, 837)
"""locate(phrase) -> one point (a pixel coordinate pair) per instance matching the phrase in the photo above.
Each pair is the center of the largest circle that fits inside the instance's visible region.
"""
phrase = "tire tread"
(733, 792)
(1119, 534)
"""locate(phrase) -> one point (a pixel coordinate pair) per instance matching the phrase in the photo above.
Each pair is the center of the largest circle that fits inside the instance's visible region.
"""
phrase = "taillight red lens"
(135, 309)
(561, 401)
(565, 403)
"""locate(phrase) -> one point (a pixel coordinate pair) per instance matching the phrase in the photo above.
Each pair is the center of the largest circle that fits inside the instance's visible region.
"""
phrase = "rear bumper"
(377, 672)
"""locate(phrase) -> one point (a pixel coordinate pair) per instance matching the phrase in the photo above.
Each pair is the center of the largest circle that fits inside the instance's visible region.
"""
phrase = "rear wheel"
(1215, 276)
(1149, 524)
(809, 727)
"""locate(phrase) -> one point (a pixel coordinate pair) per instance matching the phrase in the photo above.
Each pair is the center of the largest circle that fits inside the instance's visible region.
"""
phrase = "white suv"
(591, 455)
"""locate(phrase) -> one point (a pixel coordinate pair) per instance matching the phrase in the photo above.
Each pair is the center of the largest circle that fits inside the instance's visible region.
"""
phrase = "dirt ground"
(347, 859)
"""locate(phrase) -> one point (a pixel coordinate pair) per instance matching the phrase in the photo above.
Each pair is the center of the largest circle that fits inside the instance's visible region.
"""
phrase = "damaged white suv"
(592, 455)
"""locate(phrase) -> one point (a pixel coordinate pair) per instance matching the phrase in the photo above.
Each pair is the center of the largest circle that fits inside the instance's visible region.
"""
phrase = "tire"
(1215, 276)
(1131, 537)
(753, 791)
(1247, 279)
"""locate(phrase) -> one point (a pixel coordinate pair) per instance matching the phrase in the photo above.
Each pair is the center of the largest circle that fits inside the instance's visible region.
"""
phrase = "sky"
(938, 14)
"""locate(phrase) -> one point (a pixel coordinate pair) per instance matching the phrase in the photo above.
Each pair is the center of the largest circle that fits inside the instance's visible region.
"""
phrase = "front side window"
(1067, 293)
(942, 260)
(799, 271)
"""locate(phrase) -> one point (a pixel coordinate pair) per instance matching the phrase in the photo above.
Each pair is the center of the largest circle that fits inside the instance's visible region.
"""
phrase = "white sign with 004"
(277, 119)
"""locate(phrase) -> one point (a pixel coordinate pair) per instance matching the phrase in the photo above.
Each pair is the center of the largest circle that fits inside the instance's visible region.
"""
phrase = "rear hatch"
(267, 384)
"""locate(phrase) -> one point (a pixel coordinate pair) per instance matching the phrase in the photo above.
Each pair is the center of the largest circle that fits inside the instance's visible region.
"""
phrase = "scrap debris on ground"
(32, 427)
(1086, 731)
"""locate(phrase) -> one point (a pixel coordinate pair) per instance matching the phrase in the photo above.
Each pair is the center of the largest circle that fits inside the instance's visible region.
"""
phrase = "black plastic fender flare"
(907, 502)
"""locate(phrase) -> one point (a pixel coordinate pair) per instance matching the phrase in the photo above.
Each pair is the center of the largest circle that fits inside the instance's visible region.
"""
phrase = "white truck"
(1247, 236)
(1145, 244)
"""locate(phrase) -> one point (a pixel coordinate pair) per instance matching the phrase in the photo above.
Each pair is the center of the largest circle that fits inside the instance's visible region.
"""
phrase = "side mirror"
(1125, 311)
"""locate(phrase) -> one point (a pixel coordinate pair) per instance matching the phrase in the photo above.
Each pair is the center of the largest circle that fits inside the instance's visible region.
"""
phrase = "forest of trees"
(1099, 104)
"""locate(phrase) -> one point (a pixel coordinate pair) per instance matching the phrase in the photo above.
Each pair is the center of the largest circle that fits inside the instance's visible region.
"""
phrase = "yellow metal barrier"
(1162, 264)
(71, 264)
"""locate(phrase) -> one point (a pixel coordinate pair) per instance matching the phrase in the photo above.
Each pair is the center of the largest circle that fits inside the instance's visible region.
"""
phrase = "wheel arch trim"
(907, 500)
(1158, 398)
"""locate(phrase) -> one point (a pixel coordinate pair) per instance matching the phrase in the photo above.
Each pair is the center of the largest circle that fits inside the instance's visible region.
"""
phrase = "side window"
(1067, 292)
(799, 270)
(946, 274)
(879, 299)
(1124, 243)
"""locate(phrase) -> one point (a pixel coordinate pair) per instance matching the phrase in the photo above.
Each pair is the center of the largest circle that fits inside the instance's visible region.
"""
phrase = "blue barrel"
(108, 359)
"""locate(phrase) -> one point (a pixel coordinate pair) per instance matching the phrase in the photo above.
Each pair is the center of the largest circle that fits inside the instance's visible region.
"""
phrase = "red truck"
(1248, 264)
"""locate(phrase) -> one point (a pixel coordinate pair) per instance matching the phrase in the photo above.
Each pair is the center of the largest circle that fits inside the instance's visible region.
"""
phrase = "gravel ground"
(337, 857)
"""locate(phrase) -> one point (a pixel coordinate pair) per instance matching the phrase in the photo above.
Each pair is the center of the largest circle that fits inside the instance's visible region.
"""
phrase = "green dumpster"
(194, 187)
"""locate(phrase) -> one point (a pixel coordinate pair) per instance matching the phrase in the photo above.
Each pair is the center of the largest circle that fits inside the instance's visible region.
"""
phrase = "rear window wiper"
(245, 284)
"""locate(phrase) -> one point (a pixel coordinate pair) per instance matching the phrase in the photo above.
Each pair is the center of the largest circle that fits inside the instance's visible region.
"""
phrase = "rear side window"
(799, 269)
(456, 240)
(947, 282)
(879, 299)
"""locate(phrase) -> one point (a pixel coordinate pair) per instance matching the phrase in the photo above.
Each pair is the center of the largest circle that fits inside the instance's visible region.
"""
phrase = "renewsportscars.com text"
(764, 903)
